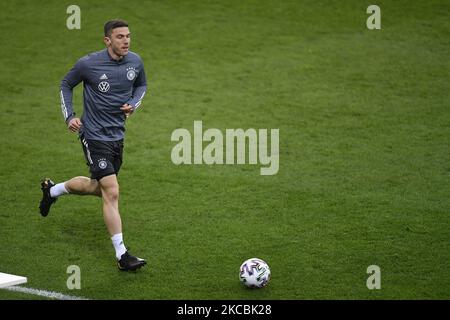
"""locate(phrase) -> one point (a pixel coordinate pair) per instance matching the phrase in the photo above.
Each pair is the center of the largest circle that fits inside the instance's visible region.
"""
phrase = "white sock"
(117, 241)
(58, 190)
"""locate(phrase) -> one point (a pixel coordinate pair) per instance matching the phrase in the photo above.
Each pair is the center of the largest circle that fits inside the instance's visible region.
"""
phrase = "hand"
(127, 109)
(74, 124)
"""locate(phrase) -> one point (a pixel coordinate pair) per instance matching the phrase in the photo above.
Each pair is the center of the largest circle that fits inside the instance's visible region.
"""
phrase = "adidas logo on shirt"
(103, 77)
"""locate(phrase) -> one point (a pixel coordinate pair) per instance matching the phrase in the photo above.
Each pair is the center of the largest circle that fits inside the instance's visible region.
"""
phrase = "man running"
(114, 84)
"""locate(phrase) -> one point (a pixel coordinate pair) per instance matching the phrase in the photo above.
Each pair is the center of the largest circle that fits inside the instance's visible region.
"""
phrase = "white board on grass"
(7, 280)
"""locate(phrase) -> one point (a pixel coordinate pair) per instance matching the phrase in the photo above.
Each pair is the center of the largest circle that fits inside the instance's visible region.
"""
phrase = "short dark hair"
(112, 24)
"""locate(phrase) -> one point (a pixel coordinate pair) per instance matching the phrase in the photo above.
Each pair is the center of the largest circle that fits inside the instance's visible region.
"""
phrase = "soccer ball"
(254, 273)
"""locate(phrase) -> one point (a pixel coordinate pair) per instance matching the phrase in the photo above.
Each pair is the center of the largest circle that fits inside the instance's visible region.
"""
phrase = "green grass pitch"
(364, 124)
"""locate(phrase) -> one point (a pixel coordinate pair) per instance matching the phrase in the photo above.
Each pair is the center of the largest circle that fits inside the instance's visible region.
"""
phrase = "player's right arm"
(71, 80)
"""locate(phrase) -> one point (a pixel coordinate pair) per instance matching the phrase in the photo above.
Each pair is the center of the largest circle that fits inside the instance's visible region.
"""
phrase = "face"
(119, 41)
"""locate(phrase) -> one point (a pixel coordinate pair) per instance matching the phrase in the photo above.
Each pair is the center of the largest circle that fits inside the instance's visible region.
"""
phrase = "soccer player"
(114, 84)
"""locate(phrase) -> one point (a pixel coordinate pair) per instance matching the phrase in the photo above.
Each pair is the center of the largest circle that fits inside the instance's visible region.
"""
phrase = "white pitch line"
(44, 293)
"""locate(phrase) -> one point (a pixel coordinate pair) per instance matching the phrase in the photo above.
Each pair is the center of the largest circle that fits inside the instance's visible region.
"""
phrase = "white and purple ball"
(254, 273)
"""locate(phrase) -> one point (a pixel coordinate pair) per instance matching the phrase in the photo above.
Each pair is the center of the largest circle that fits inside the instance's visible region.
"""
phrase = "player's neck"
(113, 55)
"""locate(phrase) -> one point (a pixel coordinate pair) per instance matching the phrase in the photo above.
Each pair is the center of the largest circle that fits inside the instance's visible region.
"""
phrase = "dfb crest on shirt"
(131, 73)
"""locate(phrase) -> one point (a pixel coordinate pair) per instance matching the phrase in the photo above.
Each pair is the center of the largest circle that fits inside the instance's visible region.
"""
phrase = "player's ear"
(107, 41)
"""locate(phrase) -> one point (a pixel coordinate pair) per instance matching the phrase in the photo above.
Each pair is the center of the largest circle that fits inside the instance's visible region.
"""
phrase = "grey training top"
(107, 84)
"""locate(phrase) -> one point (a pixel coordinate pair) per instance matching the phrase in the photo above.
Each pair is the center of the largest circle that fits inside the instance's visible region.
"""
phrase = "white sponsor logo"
(104, 77)
(103, 86)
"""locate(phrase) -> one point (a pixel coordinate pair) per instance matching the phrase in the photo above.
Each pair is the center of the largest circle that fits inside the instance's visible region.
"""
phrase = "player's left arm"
(139, 89)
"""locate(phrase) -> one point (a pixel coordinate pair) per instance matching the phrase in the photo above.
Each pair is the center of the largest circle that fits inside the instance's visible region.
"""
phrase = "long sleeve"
(71, 80)
(140, 87)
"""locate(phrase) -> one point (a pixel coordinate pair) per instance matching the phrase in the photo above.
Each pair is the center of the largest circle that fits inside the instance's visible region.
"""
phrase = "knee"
(111, 194)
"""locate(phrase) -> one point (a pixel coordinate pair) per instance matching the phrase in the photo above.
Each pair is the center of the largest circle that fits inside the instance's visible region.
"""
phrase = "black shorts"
(104, 158)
